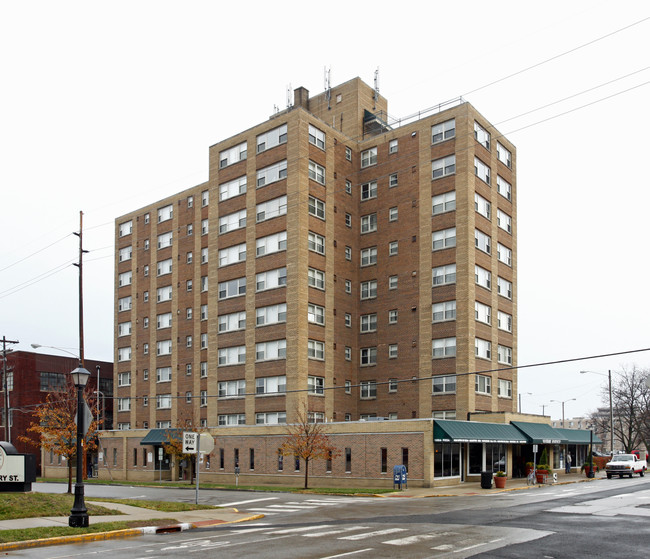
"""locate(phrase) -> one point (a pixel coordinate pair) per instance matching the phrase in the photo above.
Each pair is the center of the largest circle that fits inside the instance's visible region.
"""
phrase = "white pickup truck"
(625, 465)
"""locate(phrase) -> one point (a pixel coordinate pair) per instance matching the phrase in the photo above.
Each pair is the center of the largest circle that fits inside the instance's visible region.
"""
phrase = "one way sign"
(189, 442)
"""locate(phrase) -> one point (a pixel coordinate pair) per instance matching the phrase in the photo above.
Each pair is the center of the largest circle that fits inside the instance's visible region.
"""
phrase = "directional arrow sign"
(190, 440)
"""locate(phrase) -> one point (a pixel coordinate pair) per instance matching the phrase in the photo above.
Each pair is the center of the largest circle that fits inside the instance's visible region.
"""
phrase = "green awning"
(156, 437)
(578, 436)
(447, 430)
(540, 433)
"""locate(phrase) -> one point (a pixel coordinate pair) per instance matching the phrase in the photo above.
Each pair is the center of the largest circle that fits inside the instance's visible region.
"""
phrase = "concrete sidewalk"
(474, 488)
(179, 521)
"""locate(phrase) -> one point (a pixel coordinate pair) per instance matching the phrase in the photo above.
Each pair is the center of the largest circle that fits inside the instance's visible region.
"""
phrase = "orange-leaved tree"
(54, 424)
(307, 440)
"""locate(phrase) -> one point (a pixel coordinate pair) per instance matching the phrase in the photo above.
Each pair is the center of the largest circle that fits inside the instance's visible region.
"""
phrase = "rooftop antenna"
(289, 99)
(375, 97)
(328, 88)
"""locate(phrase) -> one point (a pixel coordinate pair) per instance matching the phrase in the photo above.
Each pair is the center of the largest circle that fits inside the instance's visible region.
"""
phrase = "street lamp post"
(611, 408)
(79, 514)
(527, 394)
(563, 402)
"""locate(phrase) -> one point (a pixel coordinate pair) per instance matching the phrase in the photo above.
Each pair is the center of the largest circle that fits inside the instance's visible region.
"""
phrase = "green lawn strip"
(33, 505)
(160, 506)
(25, 534)
(270, 488)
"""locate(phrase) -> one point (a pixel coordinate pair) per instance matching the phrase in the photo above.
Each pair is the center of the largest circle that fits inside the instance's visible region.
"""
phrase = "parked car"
(625, 464)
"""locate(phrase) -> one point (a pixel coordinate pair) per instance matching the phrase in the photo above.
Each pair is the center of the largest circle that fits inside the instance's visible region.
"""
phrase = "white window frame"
(368, 290)
(442, 348)
(271, 314)
(232, 288)
(165, 240)
(444, 238)
(505, 388)
(481, 135)
(164, 294)
(368, 223)
(232, 222)
(443, 203)
(504, 221)
(163, 374)
(315, 314)
(504, 155)
(164, 320)
(482, 348)
(482, 241)
(316, 243)
(504, 354)
(483, 384)
(504, 254)
(233, 155)
(124, 254)
(125, 228)
(232, 255)
(316, 278)
(124, 304)
(316, 350)
(125, 278)
(367, 356)
(368, 256)
(270, 385)
(233, 355)
(271, 279)
(272, 138)
(232, 188)
(482, 206)
(368, 323)
(316, 172)
(369, 157)
(231, 389)
(504, 188)
(443, 384)
(165, 213)
(368, 389)
(316, 137)
(481, 170)
(443, 131)
(504, 321)
(443, 275)
(368, 191)
(443, 311)
(271, 209)
(443, 167)
(482, 312)
(231, 322)
(277, 242)
(316, 207)
(271, 350)
(504, 287)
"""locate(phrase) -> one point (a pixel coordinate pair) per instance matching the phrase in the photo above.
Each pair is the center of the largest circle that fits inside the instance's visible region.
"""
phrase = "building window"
(316, 278)
(316, 314)
(232, 322)
(316, 243)
(368, 256)
(504, 288)
(188, 341)
(481, 135)
(443, 131)
(188, 369)
(189, 257)
(232, 255)
(504, 155)
(443, 167)
(232, 188)
(272, 173)
(348, 460)
(205, 198)
(504, 221)
(368, 157)
(482, 241)
(268, 351)
(270, 209)
(348, 320)
(504, 354)
(271, 279)
(392, 248)
(165, 240)
(483, 277)
(392, 316)
(482, 206)
(272, 138)
(204, 369)
(504, 321)
(348, 220)
(348, 286)
(368, 323)
(190, 229)
(368, 223)
(165, 213)
(232, 288)
(271, 244)
(316, 385)
(392, 214)
(164, 267)
(348, 153)
(444, 275)
(123, 404)
(392, 352)
(124, 354)
(316, 207)
(271, 418)
(315, 350)
(368, 356)
(369, 190)
(204, 312)
(482, 313)
(145, 322)
(125, 228)
(444, 384)
(273, 314)
(316, 137)
(504, 254)
(235, 355)
(442, 312)
(124, 329)
(163, 401)
(348, 387)
(483, 384)
(163, 374)
(505, 388)
(348, 353)
(392, 282)
(481, 170)
(232, 222)
(271, 385)
(482, 348)
(392, 180)
(446, 238)
(188, 285)
(368, 289)
(124, 254)
(348, 187)
(392, 385)
(368, 389)
(443, 347)
(124, 379)
(233, 155)
(393, 146)
(348, 253)
(317, 173)
(229, 419)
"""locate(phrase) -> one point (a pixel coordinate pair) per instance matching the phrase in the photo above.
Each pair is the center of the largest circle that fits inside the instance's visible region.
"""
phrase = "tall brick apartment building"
(332, 262)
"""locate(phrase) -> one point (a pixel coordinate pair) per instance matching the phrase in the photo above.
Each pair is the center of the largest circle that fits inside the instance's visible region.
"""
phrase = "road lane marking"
(339, 531)
(366, 535)
(349, 553)
(409, 540)
(300, 529)
(249, 501)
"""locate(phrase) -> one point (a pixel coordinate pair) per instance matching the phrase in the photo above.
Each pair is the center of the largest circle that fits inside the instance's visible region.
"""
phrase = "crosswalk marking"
(408, 540)
(376, 533)
(234, 504)
(338, 531)
(300, 529)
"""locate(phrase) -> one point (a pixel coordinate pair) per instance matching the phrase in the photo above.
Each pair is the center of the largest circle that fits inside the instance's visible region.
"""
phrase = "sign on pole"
(190, 442)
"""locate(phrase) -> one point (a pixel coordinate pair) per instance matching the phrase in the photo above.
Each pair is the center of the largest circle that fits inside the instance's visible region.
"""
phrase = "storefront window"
(475, 458)
(495, 457)
(447, 460)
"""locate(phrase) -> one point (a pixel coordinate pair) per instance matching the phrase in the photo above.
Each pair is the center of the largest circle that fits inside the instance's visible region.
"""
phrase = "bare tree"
(631, 397)
(307, 441)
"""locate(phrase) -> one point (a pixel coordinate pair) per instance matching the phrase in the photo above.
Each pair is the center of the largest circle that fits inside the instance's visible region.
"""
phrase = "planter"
(542, 475)
(500, 482)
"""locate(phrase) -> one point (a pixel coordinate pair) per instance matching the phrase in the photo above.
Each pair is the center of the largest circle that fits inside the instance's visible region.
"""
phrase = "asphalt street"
(604, 519)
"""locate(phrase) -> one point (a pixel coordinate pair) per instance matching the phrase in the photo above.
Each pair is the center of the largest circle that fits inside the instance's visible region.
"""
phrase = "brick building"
(32, 376)
(336, 262)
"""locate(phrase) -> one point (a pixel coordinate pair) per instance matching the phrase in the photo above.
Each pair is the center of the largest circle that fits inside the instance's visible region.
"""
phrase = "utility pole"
(5, 386)
(81, 287)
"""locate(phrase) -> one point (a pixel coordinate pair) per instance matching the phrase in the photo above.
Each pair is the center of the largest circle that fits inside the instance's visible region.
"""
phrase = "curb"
(118, 534)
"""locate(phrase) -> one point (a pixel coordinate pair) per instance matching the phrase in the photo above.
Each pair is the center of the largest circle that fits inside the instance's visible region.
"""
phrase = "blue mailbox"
(400, 477)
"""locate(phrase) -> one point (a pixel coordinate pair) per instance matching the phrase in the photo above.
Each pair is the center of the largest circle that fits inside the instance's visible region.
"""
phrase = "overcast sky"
(107, 107)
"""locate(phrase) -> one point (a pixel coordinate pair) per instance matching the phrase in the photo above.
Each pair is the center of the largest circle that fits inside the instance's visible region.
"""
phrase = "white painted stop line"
(372, 534)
